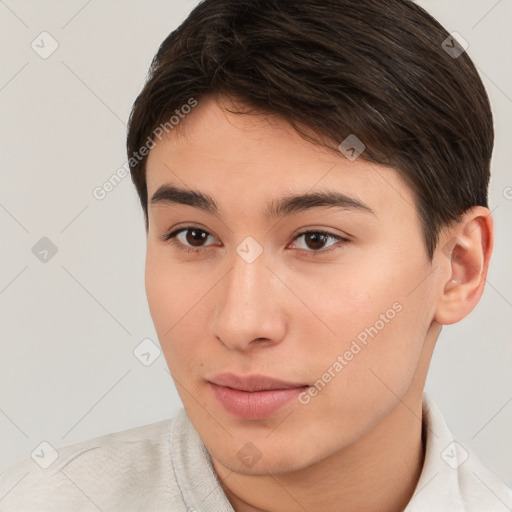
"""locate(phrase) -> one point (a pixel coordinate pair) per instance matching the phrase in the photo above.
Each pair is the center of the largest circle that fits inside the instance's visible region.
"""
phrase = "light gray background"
(69, 326)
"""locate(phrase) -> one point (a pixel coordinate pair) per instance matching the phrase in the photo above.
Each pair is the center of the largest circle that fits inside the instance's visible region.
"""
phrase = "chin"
(275, 466)
(260, 459)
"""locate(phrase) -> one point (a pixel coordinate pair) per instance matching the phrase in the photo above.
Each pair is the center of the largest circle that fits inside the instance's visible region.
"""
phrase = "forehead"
(247, 159)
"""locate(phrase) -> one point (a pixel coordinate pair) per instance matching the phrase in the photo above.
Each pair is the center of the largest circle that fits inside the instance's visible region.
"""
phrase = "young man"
(314, 180)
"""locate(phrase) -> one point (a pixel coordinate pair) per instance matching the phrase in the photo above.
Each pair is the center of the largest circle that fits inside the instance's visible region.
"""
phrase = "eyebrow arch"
(288, 205)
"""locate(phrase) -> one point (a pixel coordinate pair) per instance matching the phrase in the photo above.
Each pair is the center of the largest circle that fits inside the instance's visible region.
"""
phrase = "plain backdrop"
(69, 325)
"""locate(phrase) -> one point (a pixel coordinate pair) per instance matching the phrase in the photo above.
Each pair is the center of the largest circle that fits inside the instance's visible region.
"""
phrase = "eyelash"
(172, 235)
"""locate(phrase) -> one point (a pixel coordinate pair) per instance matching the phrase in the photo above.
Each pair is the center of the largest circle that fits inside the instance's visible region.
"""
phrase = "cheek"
(379, 323)
(169, 298)
(159, 290)
(177, 302)
(171, 289)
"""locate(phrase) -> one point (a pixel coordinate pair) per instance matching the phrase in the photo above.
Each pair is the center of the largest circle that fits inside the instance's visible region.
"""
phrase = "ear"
(468, 250)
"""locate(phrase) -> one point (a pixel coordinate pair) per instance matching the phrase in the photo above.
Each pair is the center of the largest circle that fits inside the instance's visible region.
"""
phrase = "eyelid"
(323, 232)
(173, 232)
(171, 236)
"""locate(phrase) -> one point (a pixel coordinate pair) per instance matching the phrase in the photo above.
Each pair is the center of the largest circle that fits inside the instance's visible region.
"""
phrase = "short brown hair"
(374, 68)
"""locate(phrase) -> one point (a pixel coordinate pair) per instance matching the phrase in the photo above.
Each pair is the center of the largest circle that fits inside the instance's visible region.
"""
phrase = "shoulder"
(453, 477)
(480, 488)
(132, 469)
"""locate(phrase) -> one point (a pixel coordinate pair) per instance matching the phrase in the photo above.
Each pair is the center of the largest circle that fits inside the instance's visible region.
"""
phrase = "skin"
(357, 445)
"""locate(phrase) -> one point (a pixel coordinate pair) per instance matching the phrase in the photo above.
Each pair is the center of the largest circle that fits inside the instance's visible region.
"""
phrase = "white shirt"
(164, 466)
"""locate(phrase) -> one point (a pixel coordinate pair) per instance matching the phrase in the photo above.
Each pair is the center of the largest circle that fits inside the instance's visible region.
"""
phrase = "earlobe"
(469, 252)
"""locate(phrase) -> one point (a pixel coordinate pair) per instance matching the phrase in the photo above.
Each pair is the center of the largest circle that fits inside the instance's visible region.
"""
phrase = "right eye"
(192, 235)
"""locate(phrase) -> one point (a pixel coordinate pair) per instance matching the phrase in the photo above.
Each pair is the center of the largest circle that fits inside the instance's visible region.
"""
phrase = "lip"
(253, 397)
(253, 383)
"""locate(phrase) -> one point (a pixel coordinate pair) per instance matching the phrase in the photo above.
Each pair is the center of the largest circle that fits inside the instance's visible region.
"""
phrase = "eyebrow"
(288, 205)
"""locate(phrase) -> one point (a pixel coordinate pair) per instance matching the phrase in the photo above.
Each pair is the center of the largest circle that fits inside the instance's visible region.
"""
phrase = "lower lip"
(254, 405)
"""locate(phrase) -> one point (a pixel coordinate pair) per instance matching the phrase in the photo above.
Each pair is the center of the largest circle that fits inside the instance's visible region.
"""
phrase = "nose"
(250, 308)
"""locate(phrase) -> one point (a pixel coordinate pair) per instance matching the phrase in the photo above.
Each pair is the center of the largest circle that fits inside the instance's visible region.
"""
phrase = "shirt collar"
(438, 482)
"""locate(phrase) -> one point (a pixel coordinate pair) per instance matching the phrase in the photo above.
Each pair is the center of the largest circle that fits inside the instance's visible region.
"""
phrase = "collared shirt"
(165, 466)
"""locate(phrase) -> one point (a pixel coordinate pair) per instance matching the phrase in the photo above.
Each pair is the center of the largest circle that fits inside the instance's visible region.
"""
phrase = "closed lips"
(253, 383)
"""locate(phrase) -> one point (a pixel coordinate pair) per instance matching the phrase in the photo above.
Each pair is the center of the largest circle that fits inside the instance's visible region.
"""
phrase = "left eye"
(316, 240)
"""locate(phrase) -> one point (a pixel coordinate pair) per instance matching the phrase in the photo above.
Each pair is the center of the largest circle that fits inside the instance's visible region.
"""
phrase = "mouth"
(252, 383)
(253, 397)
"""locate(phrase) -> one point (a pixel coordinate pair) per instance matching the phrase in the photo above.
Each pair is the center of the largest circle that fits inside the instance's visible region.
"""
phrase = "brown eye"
(189, 239)
(315, 241)
(195, 237)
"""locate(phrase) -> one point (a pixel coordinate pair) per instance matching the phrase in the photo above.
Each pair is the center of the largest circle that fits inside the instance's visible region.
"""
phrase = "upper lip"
(253, 382)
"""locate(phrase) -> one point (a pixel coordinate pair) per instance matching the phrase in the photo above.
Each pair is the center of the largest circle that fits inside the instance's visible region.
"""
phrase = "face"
(284, 328)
